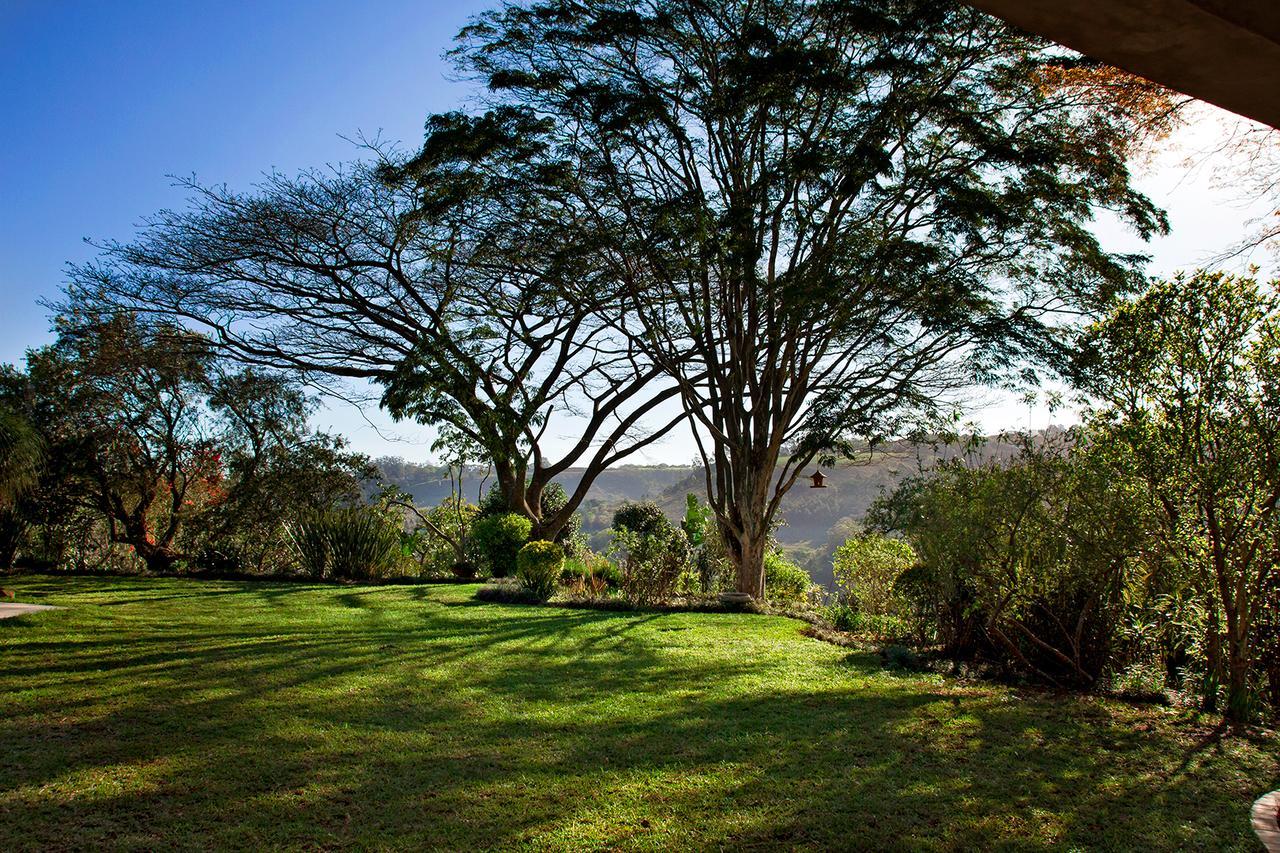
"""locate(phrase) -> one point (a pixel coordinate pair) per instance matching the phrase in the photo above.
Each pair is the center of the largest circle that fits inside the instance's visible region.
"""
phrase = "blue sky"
(100, 101)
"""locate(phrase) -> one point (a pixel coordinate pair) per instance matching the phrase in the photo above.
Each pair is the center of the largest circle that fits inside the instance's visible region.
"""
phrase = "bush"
(354, 544)
(783, 579)
(587, 565)
(651, 563)
(464, 570)
(497, 540)
(1140, 681)
(1025, 562)
(552, 501)
(842, 616)
(867, 568)
(506, 591)
(642, 517)
(900, 657)
(538, 567)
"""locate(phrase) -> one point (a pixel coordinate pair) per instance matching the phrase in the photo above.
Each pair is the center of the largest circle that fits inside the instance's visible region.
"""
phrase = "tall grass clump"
(355, 543)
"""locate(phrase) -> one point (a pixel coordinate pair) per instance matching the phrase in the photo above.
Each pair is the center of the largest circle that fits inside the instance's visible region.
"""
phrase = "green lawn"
(181, 714)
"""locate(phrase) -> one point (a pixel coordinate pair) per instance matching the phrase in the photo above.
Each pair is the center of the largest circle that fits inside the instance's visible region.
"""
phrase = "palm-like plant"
(22, 454)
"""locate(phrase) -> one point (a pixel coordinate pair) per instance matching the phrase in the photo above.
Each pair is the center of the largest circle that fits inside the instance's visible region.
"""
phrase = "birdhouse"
(819, 479)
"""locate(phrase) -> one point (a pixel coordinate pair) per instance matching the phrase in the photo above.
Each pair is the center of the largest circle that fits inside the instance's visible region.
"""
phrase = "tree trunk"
(747, 550)
(1213, 665)
(1237, 670)
(159, 561)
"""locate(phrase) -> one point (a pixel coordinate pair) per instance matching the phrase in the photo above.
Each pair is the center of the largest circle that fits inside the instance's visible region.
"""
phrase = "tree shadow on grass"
(428, 726)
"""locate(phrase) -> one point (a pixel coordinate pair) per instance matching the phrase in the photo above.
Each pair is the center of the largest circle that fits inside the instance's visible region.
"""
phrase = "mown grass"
(162, 714)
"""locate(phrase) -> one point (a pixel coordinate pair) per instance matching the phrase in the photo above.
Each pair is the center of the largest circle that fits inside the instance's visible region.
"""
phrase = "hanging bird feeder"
(819, 479)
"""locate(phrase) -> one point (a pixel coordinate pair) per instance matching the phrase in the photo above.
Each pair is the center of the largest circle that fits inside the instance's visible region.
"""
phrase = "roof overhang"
(1226, 52)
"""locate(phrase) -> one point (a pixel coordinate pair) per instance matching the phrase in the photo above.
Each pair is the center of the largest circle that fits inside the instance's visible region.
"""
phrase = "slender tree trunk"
(1237, 667)
(1213, 663)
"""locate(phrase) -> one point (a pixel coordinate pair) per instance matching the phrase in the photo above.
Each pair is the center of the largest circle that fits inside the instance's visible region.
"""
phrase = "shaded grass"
(179, 714)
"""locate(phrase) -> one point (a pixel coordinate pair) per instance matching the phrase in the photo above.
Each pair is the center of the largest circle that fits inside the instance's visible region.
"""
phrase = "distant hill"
(816, 520)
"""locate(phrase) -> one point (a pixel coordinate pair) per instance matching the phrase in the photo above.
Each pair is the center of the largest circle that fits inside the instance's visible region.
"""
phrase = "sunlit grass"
(181, 714)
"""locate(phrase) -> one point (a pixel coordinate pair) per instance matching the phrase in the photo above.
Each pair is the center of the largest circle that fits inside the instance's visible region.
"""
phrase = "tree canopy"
(823, 216)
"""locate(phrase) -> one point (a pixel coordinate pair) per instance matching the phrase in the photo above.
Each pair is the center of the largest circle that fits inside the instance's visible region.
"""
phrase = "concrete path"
(9, 610)
(1266, 821)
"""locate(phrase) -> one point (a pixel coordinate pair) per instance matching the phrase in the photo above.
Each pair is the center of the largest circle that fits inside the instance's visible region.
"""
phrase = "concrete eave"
(1226, 52)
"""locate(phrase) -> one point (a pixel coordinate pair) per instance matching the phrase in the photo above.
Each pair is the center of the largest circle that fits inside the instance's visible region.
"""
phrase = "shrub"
(608, 572)
(538, 567)
(884, 627)
(642, 517)
(842, 616)
(1025, 561)
(783, 579)
(552, 501)
(506, 591)
(866, 569)
(900, 657)
(589, 564)
(354, 543)
(497, 540)
(650, 563)
(1140, 681)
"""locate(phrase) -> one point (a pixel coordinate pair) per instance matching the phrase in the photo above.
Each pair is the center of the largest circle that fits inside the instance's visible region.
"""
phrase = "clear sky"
(100, 100)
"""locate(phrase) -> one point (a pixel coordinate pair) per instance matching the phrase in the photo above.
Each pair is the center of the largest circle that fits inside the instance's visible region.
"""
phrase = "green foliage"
(13, 530)
(697, 516)
(842, 615)
(845, 616)
(784, 580)
(497, 540)
(1188, 375)
(642, 517)
(441, 542)
(650, 563)
(900, 658)
(1025, 561)
(553, 500)
(538, 567)
(589, 565)
(356, 543)
(22, 454)
(867, 568)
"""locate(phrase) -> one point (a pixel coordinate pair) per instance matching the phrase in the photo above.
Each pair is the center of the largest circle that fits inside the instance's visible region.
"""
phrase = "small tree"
(1188, 378)
(173, 452)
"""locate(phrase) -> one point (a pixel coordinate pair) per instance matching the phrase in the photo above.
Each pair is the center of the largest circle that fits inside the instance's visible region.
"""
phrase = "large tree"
(464, 293)
(826, 216)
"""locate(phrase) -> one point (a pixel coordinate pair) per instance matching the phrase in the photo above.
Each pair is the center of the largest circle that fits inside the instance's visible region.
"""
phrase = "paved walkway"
(1266, 821)
(8, 610)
